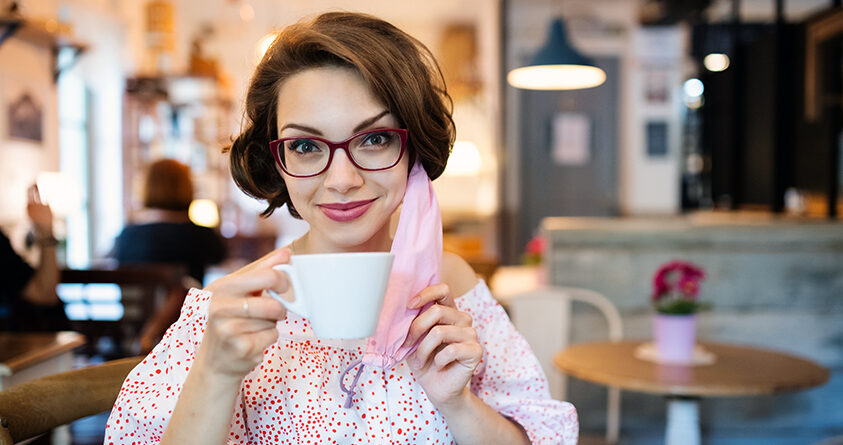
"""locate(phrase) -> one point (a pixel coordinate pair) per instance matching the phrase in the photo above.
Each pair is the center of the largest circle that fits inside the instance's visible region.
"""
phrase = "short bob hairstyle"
(399, 69)
(167, 186)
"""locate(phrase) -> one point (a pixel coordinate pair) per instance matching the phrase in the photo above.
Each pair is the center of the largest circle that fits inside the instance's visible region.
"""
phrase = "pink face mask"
(417, 247)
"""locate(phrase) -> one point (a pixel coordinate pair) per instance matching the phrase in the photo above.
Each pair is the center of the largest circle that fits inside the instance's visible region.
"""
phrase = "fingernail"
(413, 302)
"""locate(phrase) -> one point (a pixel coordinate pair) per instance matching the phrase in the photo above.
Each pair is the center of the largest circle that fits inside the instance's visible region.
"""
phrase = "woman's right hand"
(241, 318)
(39, 212)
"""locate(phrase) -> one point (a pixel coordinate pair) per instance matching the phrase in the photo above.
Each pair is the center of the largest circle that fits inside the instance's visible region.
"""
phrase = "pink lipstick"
(346, 211)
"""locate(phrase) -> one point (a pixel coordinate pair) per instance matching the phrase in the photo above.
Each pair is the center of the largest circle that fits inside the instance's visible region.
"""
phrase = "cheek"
(397, 185)
(298, 189)
(400, 178)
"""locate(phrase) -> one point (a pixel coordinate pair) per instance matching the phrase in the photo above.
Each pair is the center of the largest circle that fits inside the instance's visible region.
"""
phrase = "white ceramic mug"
(340, 293)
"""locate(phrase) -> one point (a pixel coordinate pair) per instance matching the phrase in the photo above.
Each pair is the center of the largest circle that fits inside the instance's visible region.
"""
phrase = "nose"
(342, 176)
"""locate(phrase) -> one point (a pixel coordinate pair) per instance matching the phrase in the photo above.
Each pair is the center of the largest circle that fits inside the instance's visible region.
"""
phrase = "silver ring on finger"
(245, 306)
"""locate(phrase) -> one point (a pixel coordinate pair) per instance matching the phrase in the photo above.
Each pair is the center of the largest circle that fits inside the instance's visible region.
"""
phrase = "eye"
(378, 139)
(303, 146)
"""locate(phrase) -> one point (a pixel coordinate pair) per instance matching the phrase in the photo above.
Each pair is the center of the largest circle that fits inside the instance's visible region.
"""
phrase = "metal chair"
(543, 317)
(34, 408)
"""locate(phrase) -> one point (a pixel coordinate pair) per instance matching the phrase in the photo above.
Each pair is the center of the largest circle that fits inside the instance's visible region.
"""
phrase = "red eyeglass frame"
(334, 146)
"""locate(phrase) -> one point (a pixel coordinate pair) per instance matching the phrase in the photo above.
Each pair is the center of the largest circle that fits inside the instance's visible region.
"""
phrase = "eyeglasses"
(303, 157)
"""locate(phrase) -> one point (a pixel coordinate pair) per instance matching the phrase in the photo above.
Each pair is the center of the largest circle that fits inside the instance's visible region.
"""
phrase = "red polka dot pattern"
(294, 396)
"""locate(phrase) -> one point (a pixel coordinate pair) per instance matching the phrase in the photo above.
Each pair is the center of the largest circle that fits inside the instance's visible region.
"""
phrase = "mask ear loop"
(350, 390)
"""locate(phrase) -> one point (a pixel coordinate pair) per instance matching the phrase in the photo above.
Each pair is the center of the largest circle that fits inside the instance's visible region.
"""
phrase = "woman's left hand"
(449, 351)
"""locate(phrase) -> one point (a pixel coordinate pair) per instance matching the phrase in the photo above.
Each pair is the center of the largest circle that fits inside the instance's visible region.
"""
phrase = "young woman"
(237, 368)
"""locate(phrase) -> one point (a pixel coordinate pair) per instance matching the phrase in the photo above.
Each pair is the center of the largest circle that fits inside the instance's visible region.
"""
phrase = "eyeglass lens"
(374, 150)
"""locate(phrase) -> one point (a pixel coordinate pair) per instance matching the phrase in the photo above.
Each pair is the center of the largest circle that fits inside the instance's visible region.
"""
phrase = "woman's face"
(348, 209)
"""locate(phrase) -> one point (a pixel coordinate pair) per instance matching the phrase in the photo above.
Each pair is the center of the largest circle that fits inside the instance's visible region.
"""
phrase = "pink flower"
(660, 287)
(689, 287)
(536, 245)
(692, 272)
(678, 277)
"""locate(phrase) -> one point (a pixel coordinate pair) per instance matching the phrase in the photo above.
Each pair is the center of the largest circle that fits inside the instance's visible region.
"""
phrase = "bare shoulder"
(457, 274)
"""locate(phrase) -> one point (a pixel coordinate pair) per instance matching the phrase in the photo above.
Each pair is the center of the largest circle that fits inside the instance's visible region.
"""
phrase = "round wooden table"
(737, 371)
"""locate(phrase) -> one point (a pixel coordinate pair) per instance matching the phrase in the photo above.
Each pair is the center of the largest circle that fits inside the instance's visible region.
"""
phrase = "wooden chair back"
(34, 408)
(143, 290)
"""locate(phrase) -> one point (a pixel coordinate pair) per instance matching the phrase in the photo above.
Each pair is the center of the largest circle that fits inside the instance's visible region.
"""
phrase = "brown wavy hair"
(167, 185)
(401, 72)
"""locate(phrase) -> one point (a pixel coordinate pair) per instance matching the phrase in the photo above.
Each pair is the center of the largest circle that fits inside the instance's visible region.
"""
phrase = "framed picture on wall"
(27, 108)
(25, 114)
(571, 139)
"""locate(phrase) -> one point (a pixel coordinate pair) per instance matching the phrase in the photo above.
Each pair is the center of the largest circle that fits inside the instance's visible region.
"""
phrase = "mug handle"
(297, 305)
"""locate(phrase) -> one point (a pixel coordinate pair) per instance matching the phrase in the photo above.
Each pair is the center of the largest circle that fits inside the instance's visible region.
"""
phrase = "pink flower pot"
(675, 336)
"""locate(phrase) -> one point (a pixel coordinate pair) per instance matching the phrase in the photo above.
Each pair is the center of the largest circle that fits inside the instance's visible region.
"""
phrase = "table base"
(683, 421)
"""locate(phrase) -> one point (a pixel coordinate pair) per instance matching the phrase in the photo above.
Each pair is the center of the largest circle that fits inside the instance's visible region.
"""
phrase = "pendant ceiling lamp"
(557, 66)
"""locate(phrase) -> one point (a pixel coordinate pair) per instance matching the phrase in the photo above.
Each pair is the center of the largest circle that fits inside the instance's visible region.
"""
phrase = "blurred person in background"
(28, 298)
(161, 232)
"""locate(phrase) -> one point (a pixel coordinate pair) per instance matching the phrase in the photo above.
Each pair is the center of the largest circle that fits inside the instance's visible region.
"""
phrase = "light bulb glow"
(716, 62)
(464, 160)
(203, 212)
(556, 77)
(693, 87)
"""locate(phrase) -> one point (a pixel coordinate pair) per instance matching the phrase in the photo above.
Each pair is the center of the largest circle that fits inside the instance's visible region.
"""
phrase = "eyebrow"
(357, 129)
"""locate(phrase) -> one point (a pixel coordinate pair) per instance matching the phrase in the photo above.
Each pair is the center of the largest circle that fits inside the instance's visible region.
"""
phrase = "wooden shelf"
(48, 34)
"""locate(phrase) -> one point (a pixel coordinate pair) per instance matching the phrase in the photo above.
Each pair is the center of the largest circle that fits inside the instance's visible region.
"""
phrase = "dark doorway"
(568, 184)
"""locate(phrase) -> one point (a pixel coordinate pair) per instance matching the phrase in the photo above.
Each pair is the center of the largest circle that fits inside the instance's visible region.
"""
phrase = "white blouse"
(294, 395)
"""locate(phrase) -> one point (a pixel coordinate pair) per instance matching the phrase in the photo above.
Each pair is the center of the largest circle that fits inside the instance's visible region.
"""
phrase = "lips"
(346, 211)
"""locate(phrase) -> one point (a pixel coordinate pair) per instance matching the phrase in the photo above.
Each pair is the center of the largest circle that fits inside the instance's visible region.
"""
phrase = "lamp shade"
(557, 66)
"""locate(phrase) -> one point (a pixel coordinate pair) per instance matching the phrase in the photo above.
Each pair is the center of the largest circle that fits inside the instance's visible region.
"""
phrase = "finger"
(441, 335)
(439, 293)
(435, 315)
(265, 338)
(250, 282)
(466, 354)
(239, 326)
(251, 347)
(283, 284)
(418, 362)
(250, 307)
(33, 195)
(277, 256)
(238, 331)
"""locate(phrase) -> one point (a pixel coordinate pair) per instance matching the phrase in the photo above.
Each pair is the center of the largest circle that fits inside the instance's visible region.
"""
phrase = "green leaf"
(680, 307)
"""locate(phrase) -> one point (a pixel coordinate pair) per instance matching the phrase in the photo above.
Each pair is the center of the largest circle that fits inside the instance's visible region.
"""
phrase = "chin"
(351, 239)
(355, 235)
